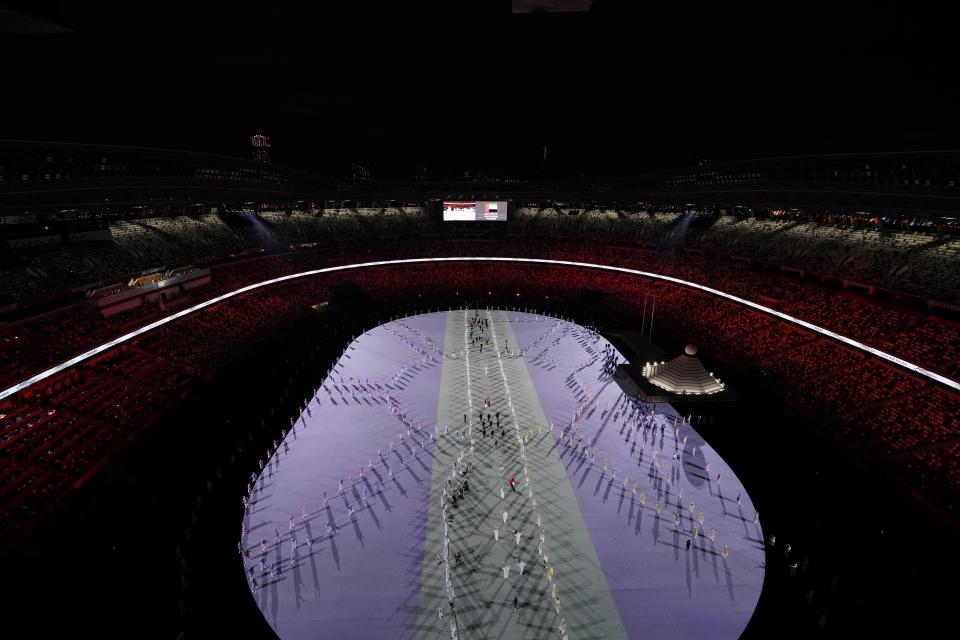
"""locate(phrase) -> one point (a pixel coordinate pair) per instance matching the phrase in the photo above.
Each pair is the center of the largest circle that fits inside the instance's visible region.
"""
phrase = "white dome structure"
(684, 375)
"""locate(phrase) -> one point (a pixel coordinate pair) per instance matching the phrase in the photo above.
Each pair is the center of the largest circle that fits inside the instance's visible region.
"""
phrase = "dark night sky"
(630, 86)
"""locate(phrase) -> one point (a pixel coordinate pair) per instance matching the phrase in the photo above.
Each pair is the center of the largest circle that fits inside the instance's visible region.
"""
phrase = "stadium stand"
(60, 432)
(879, 280)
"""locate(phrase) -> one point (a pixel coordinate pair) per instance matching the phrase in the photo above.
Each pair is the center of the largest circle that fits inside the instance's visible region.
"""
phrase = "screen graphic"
(480, 210)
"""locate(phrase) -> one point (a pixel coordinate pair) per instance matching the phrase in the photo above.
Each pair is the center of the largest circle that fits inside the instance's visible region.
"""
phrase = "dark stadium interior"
(154, 156)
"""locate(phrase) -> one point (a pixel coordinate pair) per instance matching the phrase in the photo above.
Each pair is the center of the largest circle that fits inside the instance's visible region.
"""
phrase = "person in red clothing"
(513, 482)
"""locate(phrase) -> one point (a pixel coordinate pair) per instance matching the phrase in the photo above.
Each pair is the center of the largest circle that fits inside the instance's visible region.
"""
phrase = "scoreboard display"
(475, 211)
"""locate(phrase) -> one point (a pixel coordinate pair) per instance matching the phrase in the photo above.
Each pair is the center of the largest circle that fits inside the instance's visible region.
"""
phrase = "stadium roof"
(627, 86)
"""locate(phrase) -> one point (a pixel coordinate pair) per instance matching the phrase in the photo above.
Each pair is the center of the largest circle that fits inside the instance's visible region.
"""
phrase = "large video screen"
(480, 210)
